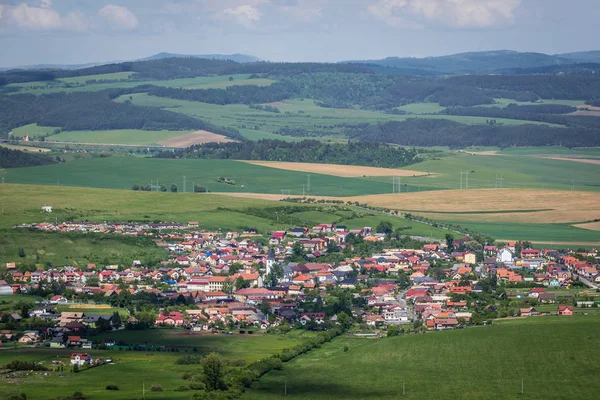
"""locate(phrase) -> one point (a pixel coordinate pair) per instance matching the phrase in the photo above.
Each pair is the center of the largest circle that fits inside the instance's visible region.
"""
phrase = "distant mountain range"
(483, 62)
(240, 58)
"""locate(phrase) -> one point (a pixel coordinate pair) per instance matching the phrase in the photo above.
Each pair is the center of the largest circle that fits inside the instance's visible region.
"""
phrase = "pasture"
(46, 249)
(108, 173)
(475, 363)
(33, 130)
(298, 114)
(133, 369)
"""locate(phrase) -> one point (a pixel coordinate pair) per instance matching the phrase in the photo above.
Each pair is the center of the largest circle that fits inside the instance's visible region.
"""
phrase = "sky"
(85, 31)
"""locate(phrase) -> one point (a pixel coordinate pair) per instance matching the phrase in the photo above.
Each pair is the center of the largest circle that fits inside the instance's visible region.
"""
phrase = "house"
(505, 256)
(528, 312)
(565, 310)
(58, 300)
(58, 342)
(470, 258)
(30, 337)
(81, 359)
(174, 318)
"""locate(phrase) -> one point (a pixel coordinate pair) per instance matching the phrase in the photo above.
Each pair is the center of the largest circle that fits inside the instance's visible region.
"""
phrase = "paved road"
(587, 282)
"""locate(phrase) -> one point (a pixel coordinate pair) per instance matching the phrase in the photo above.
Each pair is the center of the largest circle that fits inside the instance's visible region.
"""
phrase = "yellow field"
(198, 137)
(345, 171)
(482, 205)
(593, 226)
(559, 206)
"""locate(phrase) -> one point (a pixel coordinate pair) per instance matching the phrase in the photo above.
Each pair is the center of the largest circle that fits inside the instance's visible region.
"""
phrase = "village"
(222, 282)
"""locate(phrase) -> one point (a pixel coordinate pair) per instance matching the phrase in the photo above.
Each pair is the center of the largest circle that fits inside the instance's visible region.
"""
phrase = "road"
(586, 281)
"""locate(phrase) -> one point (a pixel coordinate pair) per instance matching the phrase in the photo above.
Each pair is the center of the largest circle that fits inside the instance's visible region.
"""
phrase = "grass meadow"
(108, 173)
(550, 356)
(132, 370)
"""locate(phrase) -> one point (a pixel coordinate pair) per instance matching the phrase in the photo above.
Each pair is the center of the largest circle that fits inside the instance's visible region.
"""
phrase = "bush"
(182, 388)
(18, 365)
(197, 386)
(346, 348)
(112, 387)
(156, 388)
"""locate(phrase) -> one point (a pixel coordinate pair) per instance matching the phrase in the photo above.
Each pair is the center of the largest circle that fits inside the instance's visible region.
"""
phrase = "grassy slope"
(108, 173)
(33, 130)
(132, 368)
(61, 249)
(552, 355)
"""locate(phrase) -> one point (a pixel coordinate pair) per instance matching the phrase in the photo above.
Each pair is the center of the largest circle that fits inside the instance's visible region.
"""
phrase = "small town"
(219, 283)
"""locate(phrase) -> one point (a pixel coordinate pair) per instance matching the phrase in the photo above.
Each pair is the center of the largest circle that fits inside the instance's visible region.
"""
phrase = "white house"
(80, 359)
(504, 256)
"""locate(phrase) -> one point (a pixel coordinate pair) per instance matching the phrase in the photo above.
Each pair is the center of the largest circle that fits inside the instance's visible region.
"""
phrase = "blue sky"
(80, 31)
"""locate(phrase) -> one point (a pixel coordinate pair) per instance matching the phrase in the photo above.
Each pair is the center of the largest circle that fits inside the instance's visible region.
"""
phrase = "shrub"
(112, 387)
(346, 348)
(197, 386)
(182, 388)
(156, 388)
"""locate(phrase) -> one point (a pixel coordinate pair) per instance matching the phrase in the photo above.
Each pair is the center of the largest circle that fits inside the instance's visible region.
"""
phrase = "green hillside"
(551, 357)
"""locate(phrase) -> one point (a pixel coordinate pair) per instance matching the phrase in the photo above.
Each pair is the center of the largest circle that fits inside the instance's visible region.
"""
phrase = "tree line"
(16, 158)
(441, 132)
(353, 153)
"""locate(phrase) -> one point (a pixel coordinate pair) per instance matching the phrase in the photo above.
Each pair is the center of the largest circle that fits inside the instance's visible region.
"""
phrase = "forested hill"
(311, 151)
(17, 158)
(94, 111)
(440, 132)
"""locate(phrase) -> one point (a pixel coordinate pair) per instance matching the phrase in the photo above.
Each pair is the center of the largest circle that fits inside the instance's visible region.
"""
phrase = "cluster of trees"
(544, 86)
(353, 153)
(16, 158)
(243, 94)
(148, 188)
(440, 132)
(549, 113)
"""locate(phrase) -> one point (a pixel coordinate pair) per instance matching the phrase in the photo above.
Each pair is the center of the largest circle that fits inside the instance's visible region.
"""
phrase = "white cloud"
(42, 18)
(119, 17)
(245, 15)
(454, 13)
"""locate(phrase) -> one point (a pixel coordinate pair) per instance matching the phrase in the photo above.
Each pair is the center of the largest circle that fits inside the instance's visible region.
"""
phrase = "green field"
(108, 173)
(422, 108)
(546, 233)
(118, 136)
(552, 357)
(133, 369)
(518, 172)
(78, 84)
(33, 130)
(303, 114)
